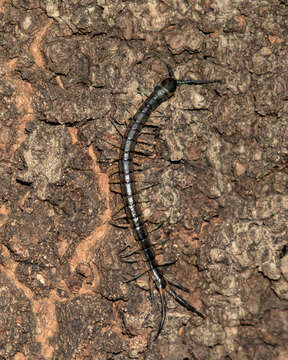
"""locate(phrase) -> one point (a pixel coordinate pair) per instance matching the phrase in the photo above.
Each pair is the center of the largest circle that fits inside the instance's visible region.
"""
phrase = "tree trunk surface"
(213, 188)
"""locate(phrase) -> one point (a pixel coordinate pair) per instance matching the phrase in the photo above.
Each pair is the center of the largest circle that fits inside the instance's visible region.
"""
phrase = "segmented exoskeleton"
(160, 94)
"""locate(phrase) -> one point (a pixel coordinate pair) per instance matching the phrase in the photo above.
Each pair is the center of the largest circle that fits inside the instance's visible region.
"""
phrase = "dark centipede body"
(160, 94)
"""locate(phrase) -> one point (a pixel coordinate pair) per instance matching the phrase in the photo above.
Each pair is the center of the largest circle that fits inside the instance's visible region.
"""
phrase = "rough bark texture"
(68, 69)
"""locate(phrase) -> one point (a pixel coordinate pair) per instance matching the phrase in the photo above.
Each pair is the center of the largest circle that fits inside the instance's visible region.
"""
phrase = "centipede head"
(170, 84)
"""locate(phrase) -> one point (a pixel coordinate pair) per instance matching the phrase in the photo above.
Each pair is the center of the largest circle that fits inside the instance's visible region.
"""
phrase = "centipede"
(163, 285)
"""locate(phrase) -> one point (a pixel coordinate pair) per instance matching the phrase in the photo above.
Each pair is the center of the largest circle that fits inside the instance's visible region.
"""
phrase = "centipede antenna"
(195, 82)
(163, 312)
(170, 71)
(184, 303)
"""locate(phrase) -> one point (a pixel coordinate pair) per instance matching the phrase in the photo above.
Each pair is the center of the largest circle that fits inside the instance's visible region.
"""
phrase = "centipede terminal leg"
(184, 303)
(178, 286)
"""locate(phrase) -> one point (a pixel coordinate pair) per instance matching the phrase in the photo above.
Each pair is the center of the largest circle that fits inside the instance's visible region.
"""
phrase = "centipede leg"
(168, 263)
(130, 104)
(148, 187)
(130, 261)
(141, 92)
(121, 226)
(143, 153)
(132, 252)
(117, 210)
(184, 303)
(155, 228)
(116, 191)
(152, 298)
(150, 125)
(163, 312)
(118, 182)
(139, 168)
(113, 170)
(120, 217)
(117, 129)
(178, 286)
(114, 145)
(111, 161)
(150, 133)
(124, 248)
(137, 276)
(139, 250)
